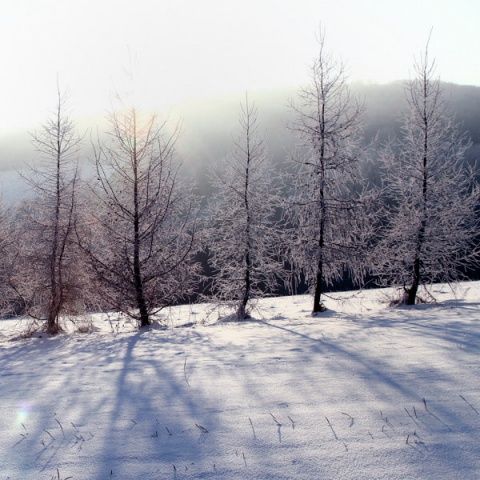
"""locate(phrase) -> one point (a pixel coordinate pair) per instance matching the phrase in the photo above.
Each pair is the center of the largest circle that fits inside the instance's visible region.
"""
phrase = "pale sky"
(183, 49)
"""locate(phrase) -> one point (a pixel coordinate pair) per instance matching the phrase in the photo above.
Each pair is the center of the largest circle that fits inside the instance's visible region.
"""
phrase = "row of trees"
(128, 238)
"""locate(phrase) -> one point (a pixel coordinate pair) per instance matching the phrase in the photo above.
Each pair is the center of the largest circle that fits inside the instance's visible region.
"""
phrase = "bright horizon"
(185, 49)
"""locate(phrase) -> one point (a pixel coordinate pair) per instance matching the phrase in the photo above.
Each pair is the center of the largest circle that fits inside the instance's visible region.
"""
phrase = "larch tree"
(324, 214)
(46, 271)
(142, 229)
(430, 223)
(243, 240)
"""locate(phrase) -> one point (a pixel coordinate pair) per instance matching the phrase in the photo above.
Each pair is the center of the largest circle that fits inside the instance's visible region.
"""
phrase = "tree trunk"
(318, 306)
(55, 305)
(140, 298)
(53, 326)
(137, 271)
(138, 281)
(411, 294)
(242, 309)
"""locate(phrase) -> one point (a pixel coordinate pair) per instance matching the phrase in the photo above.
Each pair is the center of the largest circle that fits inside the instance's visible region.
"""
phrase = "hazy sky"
(181, 49)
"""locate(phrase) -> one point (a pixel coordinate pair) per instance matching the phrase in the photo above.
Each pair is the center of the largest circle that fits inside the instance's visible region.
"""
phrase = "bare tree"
(244, 238)
(46, 270)
(142, 229)
(323, 211)
(431, 220)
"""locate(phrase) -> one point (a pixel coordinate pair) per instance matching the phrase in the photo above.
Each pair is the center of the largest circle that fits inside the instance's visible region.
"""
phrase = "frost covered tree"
(244, 239)
(142, 230)
(430, 219)
(324, 211)
(46, 272)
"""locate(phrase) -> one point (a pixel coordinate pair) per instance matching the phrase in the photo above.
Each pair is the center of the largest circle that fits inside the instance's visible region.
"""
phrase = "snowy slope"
(363, 392)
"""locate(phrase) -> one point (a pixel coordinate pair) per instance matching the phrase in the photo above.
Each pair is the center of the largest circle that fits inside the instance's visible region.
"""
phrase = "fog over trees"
(207, 124)
(375, 179)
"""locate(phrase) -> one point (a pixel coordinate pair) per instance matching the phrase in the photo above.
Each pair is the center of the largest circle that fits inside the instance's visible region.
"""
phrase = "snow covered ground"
(363, 392)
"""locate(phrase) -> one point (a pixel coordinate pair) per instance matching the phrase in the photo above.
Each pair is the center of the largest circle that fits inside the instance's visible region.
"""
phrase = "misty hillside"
(209, 126)
(385, 102)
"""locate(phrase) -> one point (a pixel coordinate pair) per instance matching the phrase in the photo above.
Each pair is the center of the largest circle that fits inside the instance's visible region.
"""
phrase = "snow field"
(362, 392)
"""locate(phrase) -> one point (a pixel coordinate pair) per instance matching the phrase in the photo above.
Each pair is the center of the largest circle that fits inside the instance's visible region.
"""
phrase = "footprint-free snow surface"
(362, 391)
